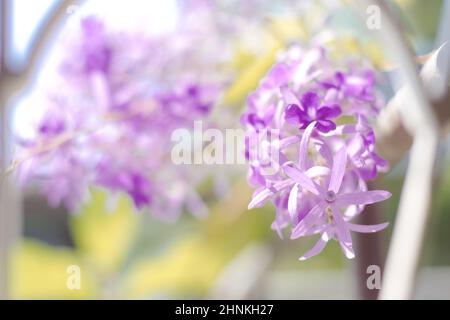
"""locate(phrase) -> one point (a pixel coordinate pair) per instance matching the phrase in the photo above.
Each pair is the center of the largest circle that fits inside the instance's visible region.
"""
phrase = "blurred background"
(232, 253)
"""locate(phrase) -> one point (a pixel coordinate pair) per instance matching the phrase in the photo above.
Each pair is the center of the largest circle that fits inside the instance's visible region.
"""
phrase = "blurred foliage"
(104, 235)
(104, 239)
(435, 251)
(190, 266)
(39, 271)
(438, 235)
(349, 38)
(249, 76)
(422, 17)
(184, 267)
(252, 67)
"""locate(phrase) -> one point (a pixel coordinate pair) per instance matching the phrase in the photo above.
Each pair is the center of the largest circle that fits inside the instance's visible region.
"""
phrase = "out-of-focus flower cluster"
(109, 117)
(117, 96)
(311, 147)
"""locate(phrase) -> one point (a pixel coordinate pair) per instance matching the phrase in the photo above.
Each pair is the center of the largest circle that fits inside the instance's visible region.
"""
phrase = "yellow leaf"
(249, 78)
(104, 235)
(40, 271)
(192, 264)
(189, 267)
(343, 46)
(252, 68)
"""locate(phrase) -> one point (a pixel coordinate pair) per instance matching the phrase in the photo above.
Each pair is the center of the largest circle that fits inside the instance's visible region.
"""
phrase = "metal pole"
(10, 202)
(4, 243)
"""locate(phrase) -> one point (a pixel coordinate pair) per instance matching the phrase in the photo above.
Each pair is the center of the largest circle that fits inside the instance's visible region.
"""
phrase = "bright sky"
(26, 16)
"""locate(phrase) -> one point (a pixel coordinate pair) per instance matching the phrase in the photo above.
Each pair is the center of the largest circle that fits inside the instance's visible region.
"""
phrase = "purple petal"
(325, 152)
(52, 126)
(254, 177)
(279, 74)
(293, 200)
(288, 96)
(292, 114)
(362, 198)
(338, 170)
(139, 191)
(304, 118)
(288, 141)
(342, 230)
(343, 234)
(303, 151)
(260, 198)
(312, 230)
(345, 129)
(355, 146)
(340, 78)
(381, 163)
(310, 100)
(97, 55)
(279, 224)
(307, 222)
(317, 171)
(325, 126)
(261, 195)
(367, 228)
(328, 84)
(318, 248)
(326, 112)
(348, 251)
(302, 179)
(335, 111)
(254, 120)
(279, 186)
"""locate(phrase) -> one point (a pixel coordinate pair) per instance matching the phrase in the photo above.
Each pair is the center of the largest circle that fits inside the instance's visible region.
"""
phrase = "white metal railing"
(418, 116)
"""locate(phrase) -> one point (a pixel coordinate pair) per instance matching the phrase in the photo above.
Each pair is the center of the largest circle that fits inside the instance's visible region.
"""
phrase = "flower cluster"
(311, 147)
(108, 124)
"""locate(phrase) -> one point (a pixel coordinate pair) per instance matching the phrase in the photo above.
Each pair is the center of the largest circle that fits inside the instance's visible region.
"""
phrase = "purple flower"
(361, 149)
(309, 110)
(136, 185)
(256, 121)
(125, 92)
(96, 50)
(358, 85)
(326, 217)
(318, 179)
(51, 126)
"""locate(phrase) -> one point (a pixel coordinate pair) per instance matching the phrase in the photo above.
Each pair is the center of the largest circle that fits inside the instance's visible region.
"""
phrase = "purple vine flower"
(326, 217)
(95, 46)
(319, 172)
(309, 110)
(125, 92)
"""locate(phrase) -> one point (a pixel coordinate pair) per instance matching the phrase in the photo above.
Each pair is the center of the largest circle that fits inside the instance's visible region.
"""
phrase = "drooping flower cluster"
(311, 147)
(119, 95)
